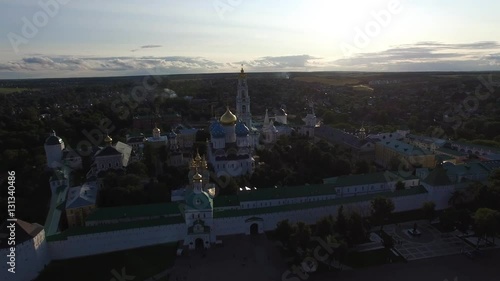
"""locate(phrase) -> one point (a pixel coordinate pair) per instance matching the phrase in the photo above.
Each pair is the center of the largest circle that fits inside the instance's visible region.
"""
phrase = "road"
(449, 268)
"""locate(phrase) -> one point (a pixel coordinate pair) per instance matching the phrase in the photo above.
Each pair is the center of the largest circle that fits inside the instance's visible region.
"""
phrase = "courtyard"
(430, 243)
(444, 268)
(241, 257)
(432, 255)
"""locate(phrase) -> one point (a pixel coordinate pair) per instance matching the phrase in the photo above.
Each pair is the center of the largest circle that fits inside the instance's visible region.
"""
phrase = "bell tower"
(243, 100)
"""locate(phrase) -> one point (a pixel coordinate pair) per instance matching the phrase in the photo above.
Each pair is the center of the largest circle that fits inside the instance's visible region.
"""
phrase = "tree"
(381, 208)
(457, 199)
(448, 219)
(494, 178)
(400, 185)
(283, 231)
(429, 210)
(356, 230)
(137, 168)
(486, 223)
(464, 220)
(362, 167)
(324, 227)
(301, 235)
(341, 223)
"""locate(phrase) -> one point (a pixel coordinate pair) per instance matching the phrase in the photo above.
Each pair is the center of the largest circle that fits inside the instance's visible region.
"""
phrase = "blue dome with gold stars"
(217, 130)
(241, 129)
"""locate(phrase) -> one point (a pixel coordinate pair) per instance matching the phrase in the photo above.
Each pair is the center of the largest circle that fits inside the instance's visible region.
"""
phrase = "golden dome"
(108, 139)
(362, 129)
(197, 176)
(198, 157)
(204, 163)
(228, 118)
(156, 130)
(242, 73)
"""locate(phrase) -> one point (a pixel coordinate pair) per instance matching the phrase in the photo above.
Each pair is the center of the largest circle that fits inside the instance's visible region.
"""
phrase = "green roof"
(484, 147)
(198, 201)
(286, 192)
(450, 151)
(57, 203)
(114, 227)
(136, 211)
(467, 168)
(404, 148)
(438, 177)
(226, 201)
(363, 179)
(317, 204)
(443, 157)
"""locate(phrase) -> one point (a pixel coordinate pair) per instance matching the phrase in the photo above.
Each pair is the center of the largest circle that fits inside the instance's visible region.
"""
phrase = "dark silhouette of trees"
(381, 209)
(429, 210)
(341, 223)
(486, 223)
(400, 185)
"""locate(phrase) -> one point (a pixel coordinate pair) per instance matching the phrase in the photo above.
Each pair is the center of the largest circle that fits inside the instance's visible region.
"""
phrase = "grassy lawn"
(370, 258)
(142, 263)
(407, 216)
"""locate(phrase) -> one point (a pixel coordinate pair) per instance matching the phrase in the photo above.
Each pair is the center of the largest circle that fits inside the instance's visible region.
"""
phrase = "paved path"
(431, 243)
(242, 258)
(450, 268)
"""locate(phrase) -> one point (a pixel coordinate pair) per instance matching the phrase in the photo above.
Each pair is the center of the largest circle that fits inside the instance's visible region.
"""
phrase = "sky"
(84, 38)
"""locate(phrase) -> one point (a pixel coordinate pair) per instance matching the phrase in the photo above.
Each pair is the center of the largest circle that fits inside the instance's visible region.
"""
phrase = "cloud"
(421, 56)
(150, 46)
(76, 66)
(475, 45)
(39, 60)
(297, 62)
(426, 56)
(146, 47)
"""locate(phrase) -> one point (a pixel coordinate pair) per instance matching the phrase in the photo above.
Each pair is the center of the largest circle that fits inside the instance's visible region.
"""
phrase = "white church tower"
(269, 130)
(310, 121)
(54, 147)
(243, 100)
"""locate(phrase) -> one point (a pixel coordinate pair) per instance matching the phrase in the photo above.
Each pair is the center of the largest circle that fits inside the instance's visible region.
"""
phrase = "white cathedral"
(234, 137)
(230, 150)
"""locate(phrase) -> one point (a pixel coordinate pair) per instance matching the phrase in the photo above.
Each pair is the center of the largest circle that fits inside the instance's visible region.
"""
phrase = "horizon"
(261, 72)
(72, 39)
